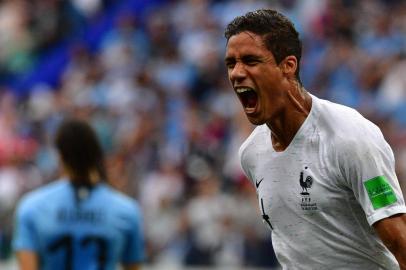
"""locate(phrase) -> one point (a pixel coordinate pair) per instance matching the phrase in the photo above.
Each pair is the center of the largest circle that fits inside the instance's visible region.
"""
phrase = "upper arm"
(134, 251)
(392, 231)
(24, 237)
(28, 260)
(25, 231)
(368, 169)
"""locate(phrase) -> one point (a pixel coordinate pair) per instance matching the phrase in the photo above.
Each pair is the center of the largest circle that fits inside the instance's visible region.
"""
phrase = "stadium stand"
(149, 76)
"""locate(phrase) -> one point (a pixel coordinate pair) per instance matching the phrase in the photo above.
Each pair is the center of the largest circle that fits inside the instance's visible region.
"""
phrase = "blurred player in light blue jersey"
(78, 222)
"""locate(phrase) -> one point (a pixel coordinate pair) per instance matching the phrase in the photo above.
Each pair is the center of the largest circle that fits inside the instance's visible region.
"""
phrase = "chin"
(255, 121)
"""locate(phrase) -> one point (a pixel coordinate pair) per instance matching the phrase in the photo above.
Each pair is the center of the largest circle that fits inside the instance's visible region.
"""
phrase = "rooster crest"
(305, 184)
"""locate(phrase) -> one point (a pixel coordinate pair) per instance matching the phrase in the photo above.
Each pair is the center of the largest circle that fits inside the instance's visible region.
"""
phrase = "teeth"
(242, 90)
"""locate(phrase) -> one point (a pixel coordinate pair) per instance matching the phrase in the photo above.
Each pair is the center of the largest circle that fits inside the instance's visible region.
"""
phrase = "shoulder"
(121, 201)
(351, 141)
(255, 140)
(345, 127)
(340, 118)
(32, 202)
(43, 194)
(252, 147)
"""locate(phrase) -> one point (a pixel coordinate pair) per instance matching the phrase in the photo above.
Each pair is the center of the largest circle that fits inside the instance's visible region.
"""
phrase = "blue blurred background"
(149, 76)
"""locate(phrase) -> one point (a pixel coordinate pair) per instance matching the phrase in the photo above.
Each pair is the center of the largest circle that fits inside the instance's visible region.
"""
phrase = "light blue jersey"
(98, 232)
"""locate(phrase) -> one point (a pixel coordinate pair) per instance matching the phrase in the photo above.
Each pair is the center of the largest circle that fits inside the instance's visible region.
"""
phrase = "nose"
(237, 73)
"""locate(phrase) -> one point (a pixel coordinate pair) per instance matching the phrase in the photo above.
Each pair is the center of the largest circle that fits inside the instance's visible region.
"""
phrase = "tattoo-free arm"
(392, 231)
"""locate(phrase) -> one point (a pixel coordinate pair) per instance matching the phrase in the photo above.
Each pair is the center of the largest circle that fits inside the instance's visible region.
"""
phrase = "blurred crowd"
(156, 91)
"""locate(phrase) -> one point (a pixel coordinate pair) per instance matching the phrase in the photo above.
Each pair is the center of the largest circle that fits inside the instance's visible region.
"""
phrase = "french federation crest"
(305, 183)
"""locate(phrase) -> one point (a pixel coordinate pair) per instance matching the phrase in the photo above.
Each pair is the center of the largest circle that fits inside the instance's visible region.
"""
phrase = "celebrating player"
(324, 174)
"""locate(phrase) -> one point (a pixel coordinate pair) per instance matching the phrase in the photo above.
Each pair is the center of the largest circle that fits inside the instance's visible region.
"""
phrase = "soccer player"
(79, 221)
(324, 174)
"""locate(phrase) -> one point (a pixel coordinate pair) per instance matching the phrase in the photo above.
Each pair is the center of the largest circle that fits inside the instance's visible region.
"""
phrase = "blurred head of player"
(80, 153)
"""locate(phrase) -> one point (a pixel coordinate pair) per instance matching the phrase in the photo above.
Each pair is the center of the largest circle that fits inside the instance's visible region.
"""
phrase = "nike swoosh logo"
(258, 183)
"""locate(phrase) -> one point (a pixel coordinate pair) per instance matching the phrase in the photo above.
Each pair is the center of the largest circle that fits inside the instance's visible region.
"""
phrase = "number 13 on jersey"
(70, 245)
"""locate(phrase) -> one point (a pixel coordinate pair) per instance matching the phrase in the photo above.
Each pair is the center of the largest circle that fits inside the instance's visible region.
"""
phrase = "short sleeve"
(368, 167)
(25, 235)
(134, 248)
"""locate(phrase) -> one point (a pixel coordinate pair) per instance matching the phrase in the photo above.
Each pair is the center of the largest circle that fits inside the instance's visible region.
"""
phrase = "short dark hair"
(278, 32)
(80, 150)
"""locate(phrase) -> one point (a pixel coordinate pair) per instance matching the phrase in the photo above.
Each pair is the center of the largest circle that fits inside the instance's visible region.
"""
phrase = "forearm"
(398, 249)
(131, 267)
(392, 232)
(27, 260)
(401, 258)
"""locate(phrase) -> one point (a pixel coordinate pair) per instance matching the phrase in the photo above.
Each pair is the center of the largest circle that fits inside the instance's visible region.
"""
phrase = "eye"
(230, 64)
(251, 61)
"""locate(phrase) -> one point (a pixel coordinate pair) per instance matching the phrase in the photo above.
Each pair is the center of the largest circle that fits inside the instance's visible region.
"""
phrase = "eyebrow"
(250, 57)
(244, 58)
(229, 59)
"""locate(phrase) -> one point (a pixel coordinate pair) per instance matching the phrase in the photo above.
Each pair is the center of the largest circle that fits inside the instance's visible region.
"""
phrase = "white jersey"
(322, 194)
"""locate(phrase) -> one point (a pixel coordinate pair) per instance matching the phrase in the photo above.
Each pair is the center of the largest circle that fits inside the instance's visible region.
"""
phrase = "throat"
(282, 135)
(278, 145)
(287, 124)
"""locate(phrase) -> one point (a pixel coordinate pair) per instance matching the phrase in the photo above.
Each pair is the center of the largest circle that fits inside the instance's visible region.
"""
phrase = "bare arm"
(132, 267)
(392, 231)
(27, 260)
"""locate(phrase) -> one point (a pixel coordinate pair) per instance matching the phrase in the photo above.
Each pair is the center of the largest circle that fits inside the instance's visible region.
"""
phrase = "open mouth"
(249, 99)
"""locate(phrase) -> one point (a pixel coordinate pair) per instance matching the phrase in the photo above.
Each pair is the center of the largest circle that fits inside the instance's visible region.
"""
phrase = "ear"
(289, 65)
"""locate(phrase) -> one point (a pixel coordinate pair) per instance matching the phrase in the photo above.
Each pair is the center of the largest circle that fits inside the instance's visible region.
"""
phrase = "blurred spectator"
(16, 40)
(392, 91)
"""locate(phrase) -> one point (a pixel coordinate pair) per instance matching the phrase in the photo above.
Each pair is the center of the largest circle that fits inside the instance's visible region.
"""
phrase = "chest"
(296, 185)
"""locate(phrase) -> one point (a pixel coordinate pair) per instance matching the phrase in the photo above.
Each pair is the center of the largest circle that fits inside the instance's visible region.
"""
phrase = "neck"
(285, 126)
(91, 179)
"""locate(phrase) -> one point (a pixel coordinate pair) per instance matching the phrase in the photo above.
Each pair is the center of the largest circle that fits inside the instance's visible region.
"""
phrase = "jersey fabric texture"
(97, 232)
(322, 194)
